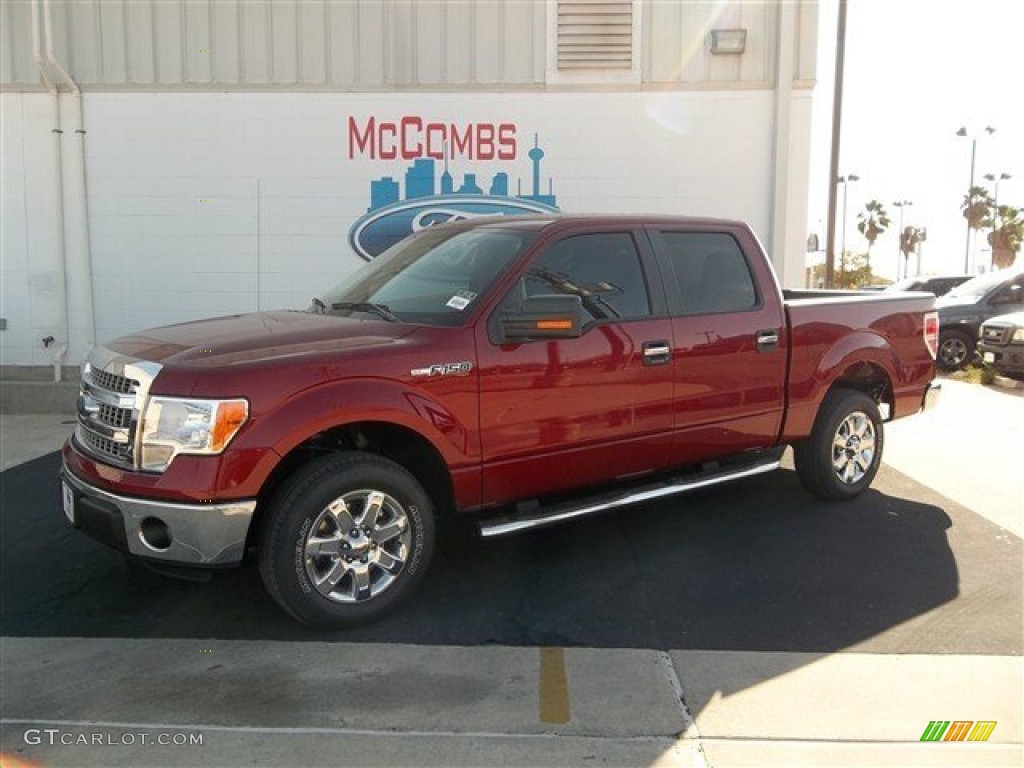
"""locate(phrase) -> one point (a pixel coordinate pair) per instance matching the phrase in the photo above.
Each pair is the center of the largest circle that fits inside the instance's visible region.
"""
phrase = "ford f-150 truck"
(521, 370)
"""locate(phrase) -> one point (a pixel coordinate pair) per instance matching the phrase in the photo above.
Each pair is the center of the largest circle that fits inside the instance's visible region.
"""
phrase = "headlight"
(175, 425)
(1018, 336)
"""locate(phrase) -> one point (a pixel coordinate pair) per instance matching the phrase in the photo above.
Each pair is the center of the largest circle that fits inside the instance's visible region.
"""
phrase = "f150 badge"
(444, 369)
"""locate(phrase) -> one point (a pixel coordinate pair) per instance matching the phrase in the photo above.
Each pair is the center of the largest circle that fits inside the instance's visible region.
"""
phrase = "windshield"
(978, 286)
(431, 278)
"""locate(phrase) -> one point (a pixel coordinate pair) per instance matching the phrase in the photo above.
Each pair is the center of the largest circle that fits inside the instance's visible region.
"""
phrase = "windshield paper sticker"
(461, 300)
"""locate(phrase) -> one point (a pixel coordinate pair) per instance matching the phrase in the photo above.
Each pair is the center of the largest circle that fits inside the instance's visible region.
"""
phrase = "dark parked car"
(966, 307)
(1002, 343)
(939, 286)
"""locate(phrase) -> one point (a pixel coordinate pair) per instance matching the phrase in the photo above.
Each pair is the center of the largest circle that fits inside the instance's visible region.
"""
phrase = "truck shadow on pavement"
(758, 566)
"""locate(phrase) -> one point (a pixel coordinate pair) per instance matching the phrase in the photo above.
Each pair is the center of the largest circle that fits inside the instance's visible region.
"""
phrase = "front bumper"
(1003, 357)
(931, 396)
(186, 534)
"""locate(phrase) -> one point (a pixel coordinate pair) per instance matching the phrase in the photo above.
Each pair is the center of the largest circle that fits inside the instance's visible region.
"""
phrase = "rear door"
(564, 413)
(729, 349)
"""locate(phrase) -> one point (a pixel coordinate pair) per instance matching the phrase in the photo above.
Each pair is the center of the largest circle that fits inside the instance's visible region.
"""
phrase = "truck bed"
(825, 326)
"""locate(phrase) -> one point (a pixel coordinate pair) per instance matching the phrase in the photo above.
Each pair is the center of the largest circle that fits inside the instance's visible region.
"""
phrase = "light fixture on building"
(728, 40)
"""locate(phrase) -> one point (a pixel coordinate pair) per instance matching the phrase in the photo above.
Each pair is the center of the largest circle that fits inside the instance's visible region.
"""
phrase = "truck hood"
(259, 336)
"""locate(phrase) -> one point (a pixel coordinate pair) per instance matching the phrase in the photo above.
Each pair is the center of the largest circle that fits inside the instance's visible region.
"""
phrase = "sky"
(916, 71)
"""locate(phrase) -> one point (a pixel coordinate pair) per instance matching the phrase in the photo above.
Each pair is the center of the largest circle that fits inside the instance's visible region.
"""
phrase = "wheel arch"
(396, 442)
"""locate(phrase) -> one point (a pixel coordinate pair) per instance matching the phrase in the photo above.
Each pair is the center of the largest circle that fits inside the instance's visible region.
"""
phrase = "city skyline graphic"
(421, 182)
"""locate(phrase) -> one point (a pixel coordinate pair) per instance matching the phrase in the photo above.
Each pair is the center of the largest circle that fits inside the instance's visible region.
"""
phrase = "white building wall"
(217, 152)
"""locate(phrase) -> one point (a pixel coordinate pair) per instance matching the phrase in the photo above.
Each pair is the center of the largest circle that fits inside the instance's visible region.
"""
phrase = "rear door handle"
(767, 340)
(657, 352)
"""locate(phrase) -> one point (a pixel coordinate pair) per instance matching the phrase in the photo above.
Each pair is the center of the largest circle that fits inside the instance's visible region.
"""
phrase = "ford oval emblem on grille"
(378, 230)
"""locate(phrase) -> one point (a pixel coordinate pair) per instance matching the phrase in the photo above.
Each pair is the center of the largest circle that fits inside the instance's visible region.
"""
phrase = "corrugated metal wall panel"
(313, 39)
(113, 43)
(489, 41)
(141, 63)
(677, 50)
(372, 44)
(257, 42)
(167, 40)
(226, 42)
(284, 49)
(520, 39)
(370, 41)
(459, 42)
(18, 66)
(198, 42)
(431, 28)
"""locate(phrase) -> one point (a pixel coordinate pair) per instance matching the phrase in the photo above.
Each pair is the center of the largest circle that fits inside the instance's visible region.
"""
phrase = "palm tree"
(910, 238)
(1006, 235)
(871, 223)
(977, 207)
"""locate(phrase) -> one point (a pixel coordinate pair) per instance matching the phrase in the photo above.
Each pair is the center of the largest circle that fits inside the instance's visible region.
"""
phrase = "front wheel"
(346, 538)
(955, 350)
(842, 455)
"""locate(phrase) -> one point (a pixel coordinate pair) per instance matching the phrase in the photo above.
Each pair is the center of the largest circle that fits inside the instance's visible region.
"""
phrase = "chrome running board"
(559, 513)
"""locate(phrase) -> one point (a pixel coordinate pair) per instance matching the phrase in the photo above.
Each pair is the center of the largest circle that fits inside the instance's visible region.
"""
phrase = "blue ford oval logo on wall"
(378, 230)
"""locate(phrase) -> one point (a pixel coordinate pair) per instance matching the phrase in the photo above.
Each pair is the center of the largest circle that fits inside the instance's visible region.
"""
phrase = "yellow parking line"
(554, 686)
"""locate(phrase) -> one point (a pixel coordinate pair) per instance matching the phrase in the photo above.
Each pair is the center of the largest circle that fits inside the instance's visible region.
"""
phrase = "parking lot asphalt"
(749, 624)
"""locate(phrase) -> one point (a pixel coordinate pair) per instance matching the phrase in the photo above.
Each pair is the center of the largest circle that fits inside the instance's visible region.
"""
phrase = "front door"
(558, 414)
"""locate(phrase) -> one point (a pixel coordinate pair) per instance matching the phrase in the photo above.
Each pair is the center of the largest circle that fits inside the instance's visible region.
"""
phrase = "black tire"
(834, 472)
(375, 564)
(956, 349)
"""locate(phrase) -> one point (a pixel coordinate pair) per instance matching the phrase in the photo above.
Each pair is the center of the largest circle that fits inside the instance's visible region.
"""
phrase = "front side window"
(710, 272)
(432, 278)
(603, 269)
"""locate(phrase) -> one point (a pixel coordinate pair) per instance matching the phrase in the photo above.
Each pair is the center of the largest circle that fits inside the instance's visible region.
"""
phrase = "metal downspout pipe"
(63, 322)
(80, 190)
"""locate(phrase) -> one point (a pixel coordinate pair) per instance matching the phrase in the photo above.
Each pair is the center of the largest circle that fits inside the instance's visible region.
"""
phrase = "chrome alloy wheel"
(357, 546)
(853, 448)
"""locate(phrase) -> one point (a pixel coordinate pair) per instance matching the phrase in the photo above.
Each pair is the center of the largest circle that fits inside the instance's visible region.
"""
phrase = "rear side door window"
(709, 273)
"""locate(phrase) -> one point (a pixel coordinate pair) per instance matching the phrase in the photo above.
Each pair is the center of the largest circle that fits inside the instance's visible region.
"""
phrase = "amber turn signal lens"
(554, 325)
(231, 415)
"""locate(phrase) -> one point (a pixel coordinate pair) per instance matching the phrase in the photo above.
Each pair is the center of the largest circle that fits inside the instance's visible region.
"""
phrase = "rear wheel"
(955, 350)
(346, 539)
(841, 457)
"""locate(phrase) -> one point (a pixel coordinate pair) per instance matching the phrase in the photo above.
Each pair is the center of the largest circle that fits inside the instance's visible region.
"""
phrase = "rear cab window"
(707, 272)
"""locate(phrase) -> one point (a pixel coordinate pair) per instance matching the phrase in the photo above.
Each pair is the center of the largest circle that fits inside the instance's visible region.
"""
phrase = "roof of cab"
(543, 221)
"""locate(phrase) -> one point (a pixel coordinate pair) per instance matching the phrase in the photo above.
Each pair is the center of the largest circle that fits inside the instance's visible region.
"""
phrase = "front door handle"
(657, 352)
(767, 340)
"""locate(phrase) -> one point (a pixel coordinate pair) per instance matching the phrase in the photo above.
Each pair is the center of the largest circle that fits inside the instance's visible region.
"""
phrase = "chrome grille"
(122, 385)
(996, 334)
(114, 392)
(103, 447)
(116, 417)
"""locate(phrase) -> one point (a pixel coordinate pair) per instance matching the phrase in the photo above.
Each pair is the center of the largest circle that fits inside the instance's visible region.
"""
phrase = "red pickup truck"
(522, 370)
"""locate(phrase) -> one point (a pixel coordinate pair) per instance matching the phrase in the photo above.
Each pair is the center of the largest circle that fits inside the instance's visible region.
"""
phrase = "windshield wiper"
(368, 306)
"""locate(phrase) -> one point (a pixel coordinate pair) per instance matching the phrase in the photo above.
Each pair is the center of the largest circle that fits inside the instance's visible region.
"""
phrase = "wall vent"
(595, 34)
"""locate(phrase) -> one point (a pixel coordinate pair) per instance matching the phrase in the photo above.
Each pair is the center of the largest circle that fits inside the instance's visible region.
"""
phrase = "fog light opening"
(155, 534)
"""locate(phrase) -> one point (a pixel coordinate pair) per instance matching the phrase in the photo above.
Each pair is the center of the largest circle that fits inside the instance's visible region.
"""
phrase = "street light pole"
(901, 204)
(974, 150)
(845, 181)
